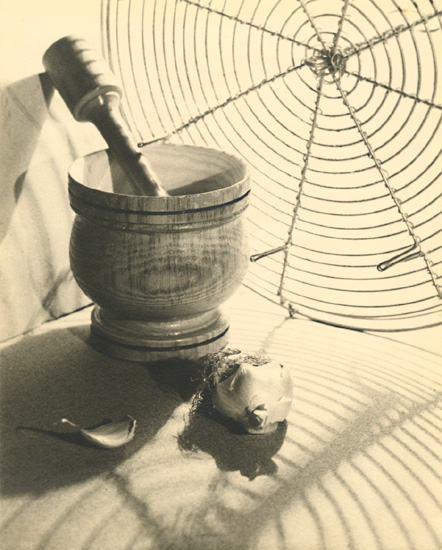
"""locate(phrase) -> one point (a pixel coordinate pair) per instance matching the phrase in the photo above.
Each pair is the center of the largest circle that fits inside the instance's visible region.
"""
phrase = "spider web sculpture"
(335, 105)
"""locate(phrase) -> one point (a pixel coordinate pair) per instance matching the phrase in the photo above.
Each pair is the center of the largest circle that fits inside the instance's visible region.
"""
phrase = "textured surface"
(359, 466)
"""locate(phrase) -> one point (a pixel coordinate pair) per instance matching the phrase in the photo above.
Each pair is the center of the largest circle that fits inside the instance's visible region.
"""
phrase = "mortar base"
(144, 341)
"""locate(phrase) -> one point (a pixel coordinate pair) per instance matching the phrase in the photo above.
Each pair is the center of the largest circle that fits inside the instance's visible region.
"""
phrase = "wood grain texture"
(159, 268)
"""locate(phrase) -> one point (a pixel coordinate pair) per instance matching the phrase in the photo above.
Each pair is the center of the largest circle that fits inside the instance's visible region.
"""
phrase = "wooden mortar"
(158, 268)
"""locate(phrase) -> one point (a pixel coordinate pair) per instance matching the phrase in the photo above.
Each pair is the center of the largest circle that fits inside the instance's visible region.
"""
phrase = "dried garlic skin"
(256, 396)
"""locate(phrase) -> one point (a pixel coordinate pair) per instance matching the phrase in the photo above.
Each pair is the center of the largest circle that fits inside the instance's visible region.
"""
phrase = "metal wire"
(336, 106)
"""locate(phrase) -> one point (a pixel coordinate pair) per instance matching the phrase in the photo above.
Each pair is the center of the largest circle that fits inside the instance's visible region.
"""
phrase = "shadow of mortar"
(54, 375)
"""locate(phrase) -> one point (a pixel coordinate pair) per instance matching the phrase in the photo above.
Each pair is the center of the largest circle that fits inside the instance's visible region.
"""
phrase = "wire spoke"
(250, 24)
(300, 188)
(225, 103)
(396, 31)
(372, 155)
(395, 90)
(340, 24)
(313, 24)
(416, 240)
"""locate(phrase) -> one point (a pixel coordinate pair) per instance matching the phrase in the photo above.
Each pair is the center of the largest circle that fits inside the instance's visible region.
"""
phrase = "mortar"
(158, 268)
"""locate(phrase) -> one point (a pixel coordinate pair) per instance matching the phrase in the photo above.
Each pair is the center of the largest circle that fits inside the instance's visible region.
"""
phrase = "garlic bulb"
(257, 395)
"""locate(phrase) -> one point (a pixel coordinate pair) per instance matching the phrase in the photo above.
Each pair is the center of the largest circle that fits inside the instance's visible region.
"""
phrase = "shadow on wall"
(35, 219)
(23, 111)
(47, 377)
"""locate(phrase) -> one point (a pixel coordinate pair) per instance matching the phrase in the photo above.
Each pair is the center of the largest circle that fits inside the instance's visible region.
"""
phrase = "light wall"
(39, 141)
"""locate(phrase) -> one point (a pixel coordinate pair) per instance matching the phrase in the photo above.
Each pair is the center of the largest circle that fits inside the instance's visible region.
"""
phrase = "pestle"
(92, 94)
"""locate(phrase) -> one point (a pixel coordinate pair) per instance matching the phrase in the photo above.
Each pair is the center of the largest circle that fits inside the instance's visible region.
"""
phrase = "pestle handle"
(92, 94)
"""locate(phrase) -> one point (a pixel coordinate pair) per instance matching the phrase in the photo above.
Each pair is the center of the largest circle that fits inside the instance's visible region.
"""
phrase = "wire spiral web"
(335, 105)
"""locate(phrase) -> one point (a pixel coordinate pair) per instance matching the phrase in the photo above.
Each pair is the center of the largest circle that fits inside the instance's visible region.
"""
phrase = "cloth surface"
(358, 464)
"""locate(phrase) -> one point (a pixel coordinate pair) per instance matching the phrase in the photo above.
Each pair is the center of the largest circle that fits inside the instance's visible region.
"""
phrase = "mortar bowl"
(158, 268)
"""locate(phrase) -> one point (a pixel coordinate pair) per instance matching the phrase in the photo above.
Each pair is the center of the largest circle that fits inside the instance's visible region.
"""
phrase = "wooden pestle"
(92, 93)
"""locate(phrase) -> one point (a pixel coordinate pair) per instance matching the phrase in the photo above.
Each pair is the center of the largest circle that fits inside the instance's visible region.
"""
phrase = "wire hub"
(329, 62)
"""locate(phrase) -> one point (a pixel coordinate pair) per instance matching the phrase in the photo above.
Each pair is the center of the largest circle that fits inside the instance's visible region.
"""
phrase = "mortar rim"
(188, 202)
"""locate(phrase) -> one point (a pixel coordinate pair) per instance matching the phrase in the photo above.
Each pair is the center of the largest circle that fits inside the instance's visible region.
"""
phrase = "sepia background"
(358, 464)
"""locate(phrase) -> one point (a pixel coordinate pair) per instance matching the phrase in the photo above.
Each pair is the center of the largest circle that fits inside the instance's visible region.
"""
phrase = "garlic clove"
(110, 435)
(265, 418)
(279, 410)
(271, 380)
